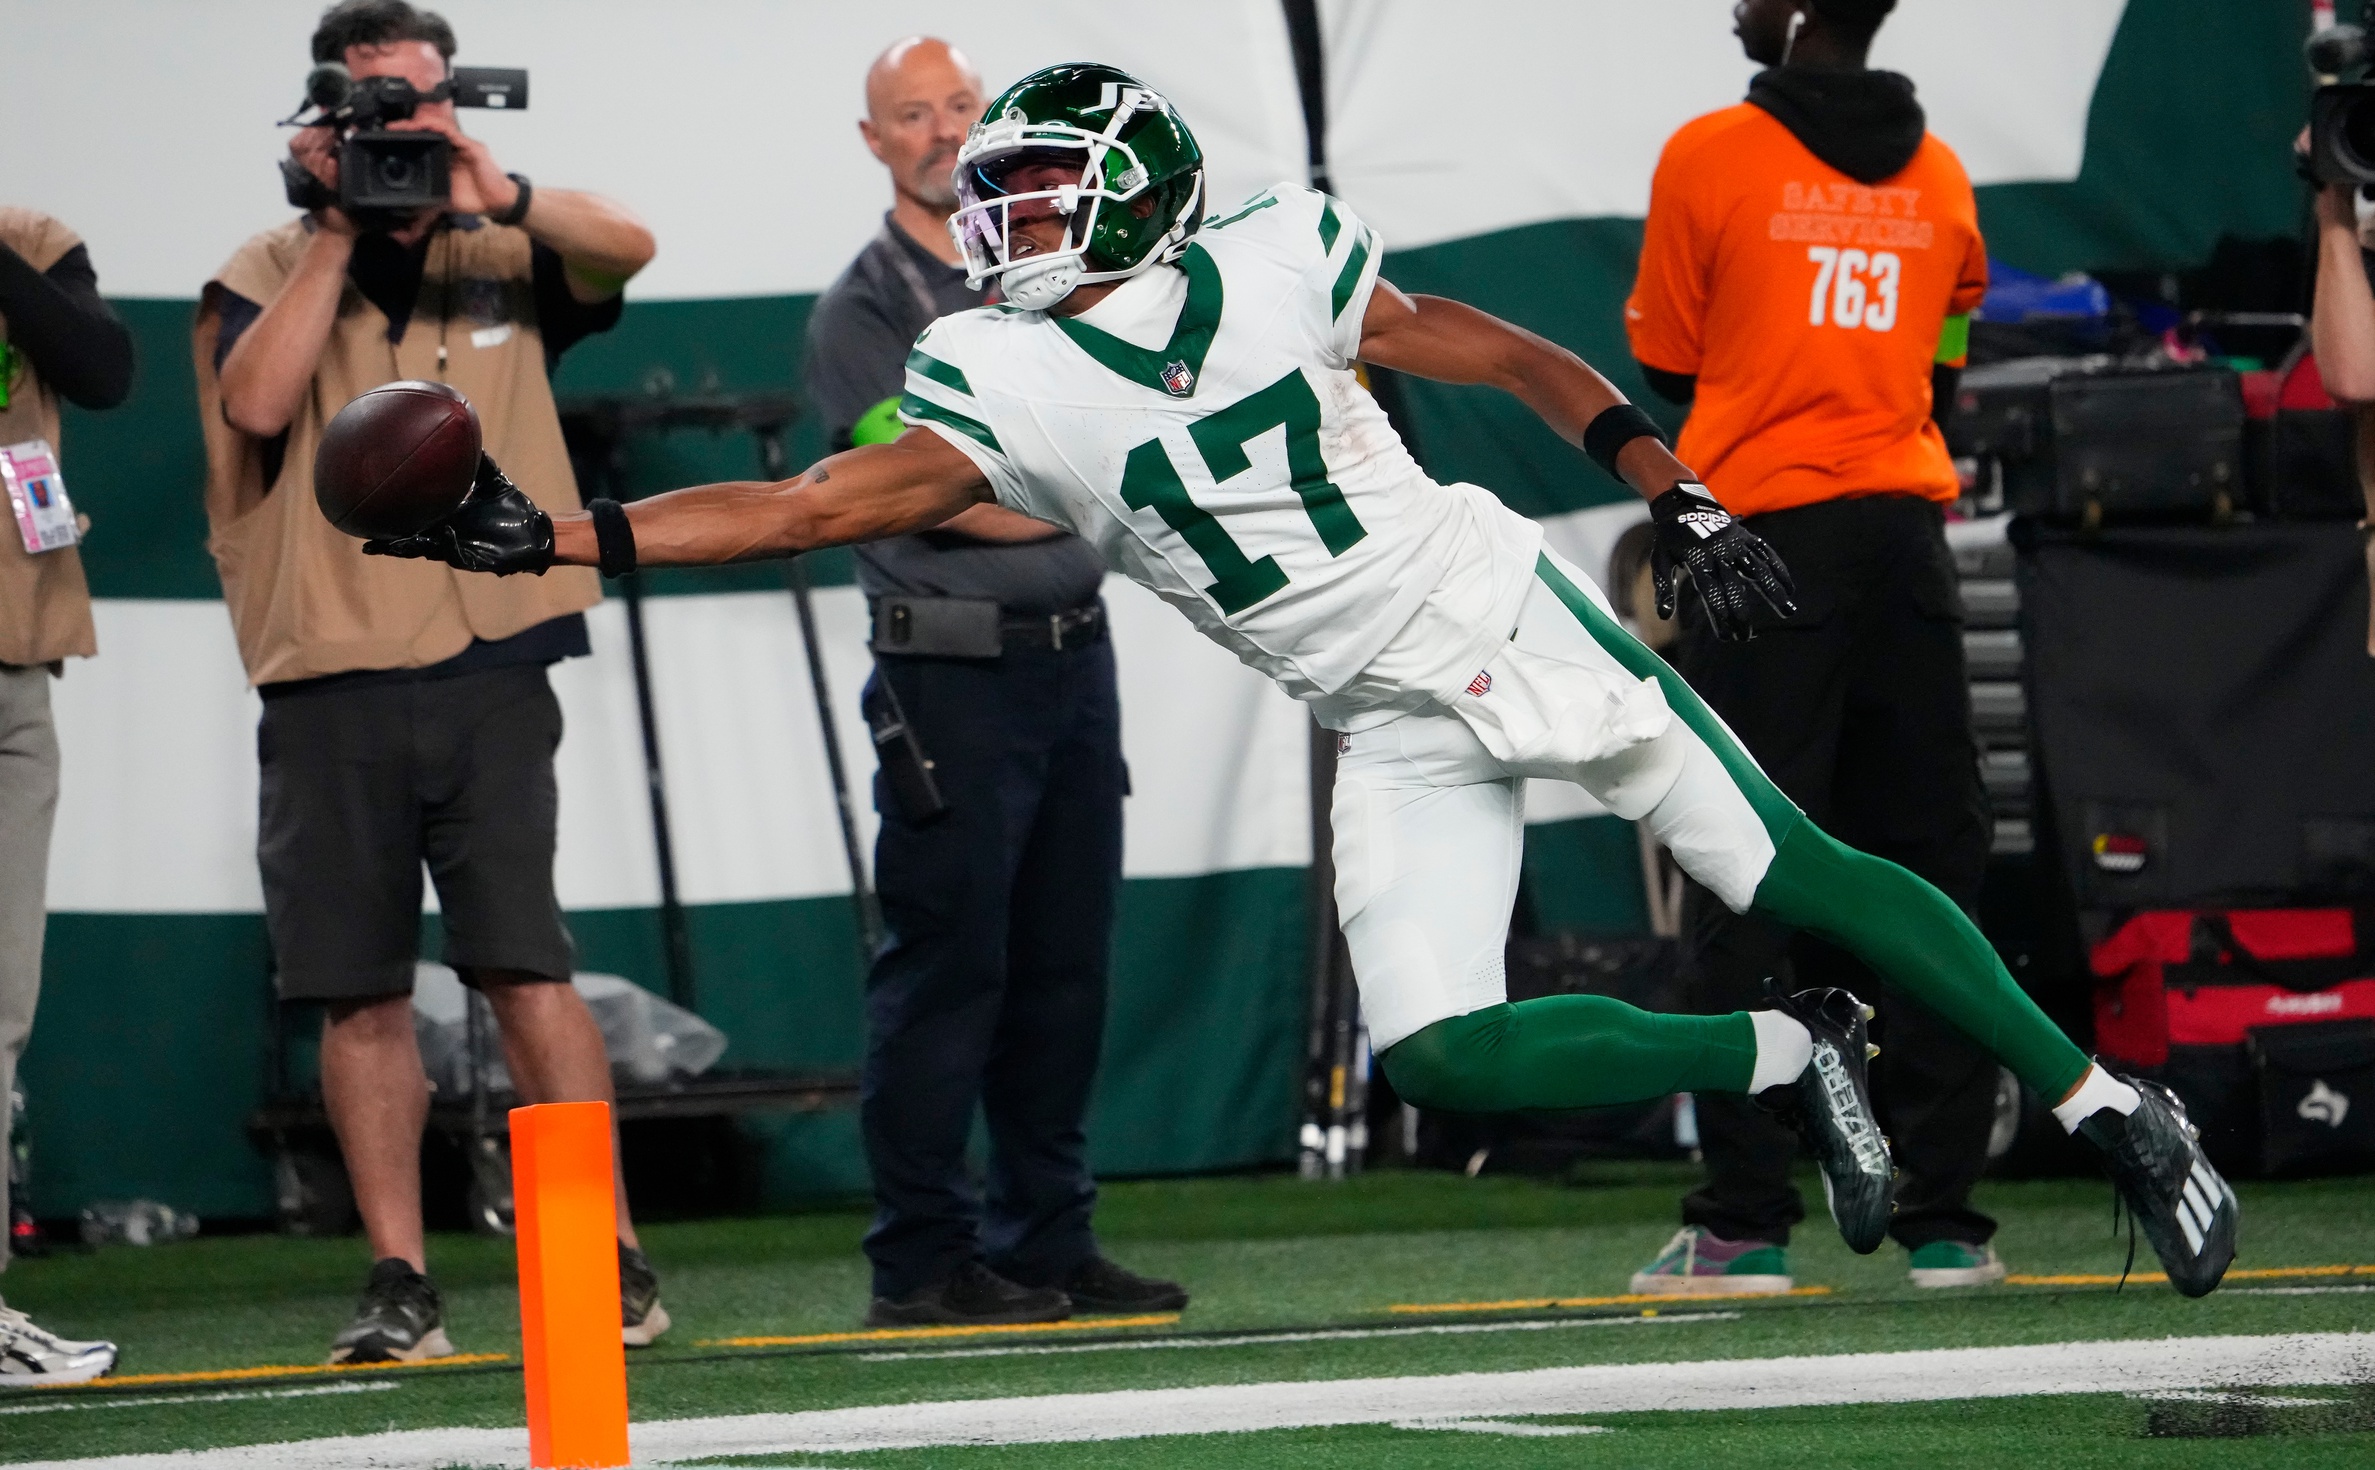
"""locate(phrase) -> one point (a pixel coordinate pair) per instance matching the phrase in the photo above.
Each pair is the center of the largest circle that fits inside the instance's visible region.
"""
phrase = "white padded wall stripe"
(158, 800)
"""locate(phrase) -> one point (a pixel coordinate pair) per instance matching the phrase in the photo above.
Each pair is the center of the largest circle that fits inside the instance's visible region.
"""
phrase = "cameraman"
(407, 714)
(2342, 332)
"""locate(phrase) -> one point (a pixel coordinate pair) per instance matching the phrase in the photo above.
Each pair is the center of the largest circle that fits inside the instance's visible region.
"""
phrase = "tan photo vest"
(45, 605)
(304, 600)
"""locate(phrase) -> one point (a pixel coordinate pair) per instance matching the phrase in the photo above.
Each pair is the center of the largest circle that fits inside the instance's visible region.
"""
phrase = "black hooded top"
(1863, 123)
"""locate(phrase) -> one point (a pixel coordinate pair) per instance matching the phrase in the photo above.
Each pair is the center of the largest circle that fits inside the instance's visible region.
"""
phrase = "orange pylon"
(567, 1213)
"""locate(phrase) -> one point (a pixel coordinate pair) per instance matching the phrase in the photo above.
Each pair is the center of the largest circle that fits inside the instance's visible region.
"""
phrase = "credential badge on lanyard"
(37, 496)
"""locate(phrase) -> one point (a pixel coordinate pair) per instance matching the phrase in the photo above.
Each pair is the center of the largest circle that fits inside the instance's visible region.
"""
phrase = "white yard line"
(2239, 1400)
(2132, 1367)
(1503, 1426)
(62, 1403)
(1332, 1334)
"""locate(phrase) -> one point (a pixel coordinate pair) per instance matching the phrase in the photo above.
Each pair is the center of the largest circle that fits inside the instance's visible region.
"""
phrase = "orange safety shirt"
(1809, 307)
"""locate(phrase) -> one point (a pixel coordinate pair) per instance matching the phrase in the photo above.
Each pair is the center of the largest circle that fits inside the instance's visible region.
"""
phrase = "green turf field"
(1296, 1286)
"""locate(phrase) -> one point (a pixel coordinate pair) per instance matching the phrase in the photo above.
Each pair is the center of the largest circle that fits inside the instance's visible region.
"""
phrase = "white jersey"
(1202, 427)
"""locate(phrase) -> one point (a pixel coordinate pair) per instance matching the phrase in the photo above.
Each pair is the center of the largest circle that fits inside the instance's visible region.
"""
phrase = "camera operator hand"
(477, 183)
(601, 242)
(317, 149)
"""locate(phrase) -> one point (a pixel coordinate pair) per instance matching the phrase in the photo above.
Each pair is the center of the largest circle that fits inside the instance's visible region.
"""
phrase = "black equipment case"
(2082, 439)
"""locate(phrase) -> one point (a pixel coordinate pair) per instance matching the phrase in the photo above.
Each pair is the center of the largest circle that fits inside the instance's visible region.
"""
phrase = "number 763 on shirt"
(1853, 288)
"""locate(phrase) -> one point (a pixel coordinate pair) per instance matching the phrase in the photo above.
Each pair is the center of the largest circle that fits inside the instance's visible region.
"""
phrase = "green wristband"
(879, 424)
(1954, 339)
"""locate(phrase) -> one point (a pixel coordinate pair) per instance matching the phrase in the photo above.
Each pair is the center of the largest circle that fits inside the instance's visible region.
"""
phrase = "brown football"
(396, 458)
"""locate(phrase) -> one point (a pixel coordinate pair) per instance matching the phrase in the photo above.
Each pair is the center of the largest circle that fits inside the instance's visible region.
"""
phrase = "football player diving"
(1181, 391)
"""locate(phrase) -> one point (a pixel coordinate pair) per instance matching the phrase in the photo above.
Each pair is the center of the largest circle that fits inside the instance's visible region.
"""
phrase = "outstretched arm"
(1430, 337)
(1451, 342)
(913, 483)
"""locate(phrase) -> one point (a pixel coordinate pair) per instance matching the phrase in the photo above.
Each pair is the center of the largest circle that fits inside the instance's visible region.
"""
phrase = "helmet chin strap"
(1038, 285)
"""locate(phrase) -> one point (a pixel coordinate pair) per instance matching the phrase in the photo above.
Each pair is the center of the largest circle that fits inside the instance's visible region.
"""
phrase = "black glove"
(1725, 560)
(495, 529)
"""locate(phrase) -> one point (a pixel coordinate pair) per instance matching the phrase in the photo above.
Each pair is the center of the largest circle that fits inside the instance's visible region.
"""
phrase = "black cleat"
(975, 1296)
(1101, 1286)
(399, 1320)
(2157, 1165)
(1831, 1104)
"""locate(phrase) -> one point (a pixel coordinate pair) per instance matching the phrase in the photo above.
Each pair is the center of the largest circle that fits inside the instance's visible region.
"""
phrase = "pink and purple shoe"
(1698, 1262)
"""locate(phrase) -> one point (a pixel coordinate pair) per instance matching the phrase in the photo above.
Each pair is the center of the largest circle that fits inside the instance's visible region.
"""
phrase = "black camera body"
(387, 177)
(2342, 113)
(2342, 133)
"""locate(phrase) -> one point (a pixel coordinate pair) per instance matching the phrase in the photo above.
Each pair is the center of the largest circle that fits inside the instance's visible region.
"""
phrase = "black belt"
(1071, 628)
(965, 627)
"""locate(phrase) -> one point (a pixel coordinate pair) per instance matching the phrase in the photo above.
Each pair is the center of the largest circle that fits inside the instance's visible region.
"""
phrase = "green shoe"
(1698, 1262)
(1956, 1263)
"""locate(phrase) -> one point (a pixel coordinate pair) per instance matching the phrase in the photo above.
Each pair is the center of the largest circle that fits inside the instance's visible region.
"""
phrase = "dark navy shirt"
(858, 337)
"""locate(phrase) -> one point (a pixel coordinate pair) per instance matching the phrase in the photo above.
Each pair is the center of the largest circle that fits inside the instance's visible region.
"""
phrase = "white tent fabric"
(731, 125)
(157, 811)
(1450, 122)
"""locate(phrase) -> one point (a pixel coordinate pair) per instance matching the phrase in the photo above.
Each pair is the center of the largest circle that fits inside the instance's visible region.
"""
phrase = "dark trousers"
(990, 987)
(1858, 709)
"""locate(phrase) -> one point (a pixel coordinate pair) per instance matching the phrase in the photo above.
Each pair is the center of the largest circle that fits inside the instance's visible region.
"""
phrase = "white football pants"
(1430, 820)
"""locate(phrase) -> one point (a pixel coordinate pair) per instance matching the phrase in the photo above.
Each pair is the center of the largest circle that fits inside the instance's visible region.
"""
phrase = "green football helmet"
(1129, 147)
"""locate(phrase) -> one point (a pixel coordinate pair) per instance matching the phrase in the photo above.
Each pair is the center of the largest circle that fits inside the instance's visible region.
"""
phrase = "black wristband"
(614, 537)
(519, 206)
(1613, 429)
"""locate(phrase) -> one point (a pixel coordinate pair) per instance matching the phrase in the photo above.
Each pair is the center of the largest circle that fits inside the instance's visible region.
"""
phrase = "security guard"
(999, 858)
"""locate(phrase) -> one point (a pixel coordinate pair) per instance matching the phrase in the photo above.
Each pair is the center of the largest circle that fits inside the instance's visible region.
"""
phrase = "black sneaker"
(2156, 1162)
(1831, 1103)
(1101, 1286)
(399, 1320)
(641, 1317)
(975, 1296)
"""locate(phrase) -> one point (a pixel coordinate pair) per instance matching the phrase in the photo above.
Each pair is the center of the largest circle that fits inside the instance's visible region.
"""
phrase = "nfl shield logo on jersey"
(1480, 686)
(1179, 378)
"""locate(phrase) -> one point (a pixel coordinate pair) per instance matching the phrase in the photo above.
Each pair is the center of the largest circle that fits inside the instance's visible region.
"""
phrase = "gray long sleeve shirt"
(858, 338)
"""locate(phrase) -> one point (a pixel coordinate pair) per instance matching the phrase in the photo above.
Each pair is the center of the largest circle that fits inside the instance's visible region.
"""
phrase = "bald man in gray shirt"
(998, 887)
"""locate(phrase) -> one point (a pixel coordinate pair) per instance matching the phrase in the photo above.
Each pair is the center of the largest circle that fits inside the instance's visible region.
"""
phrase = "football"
(396, 458)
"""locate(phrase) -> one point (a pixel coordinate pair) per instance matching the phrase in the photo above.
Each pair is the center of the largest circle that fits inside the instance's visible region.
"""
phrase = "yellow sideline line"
(2257, 1273)
(286, 1370)
(910, 1334)
(1629, 1300)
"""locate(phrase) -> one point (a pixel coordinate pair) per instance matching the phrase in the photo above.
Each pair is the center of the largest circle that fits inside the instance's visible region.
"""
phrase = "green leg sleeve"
(1914, 935)
(1568, 1051)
